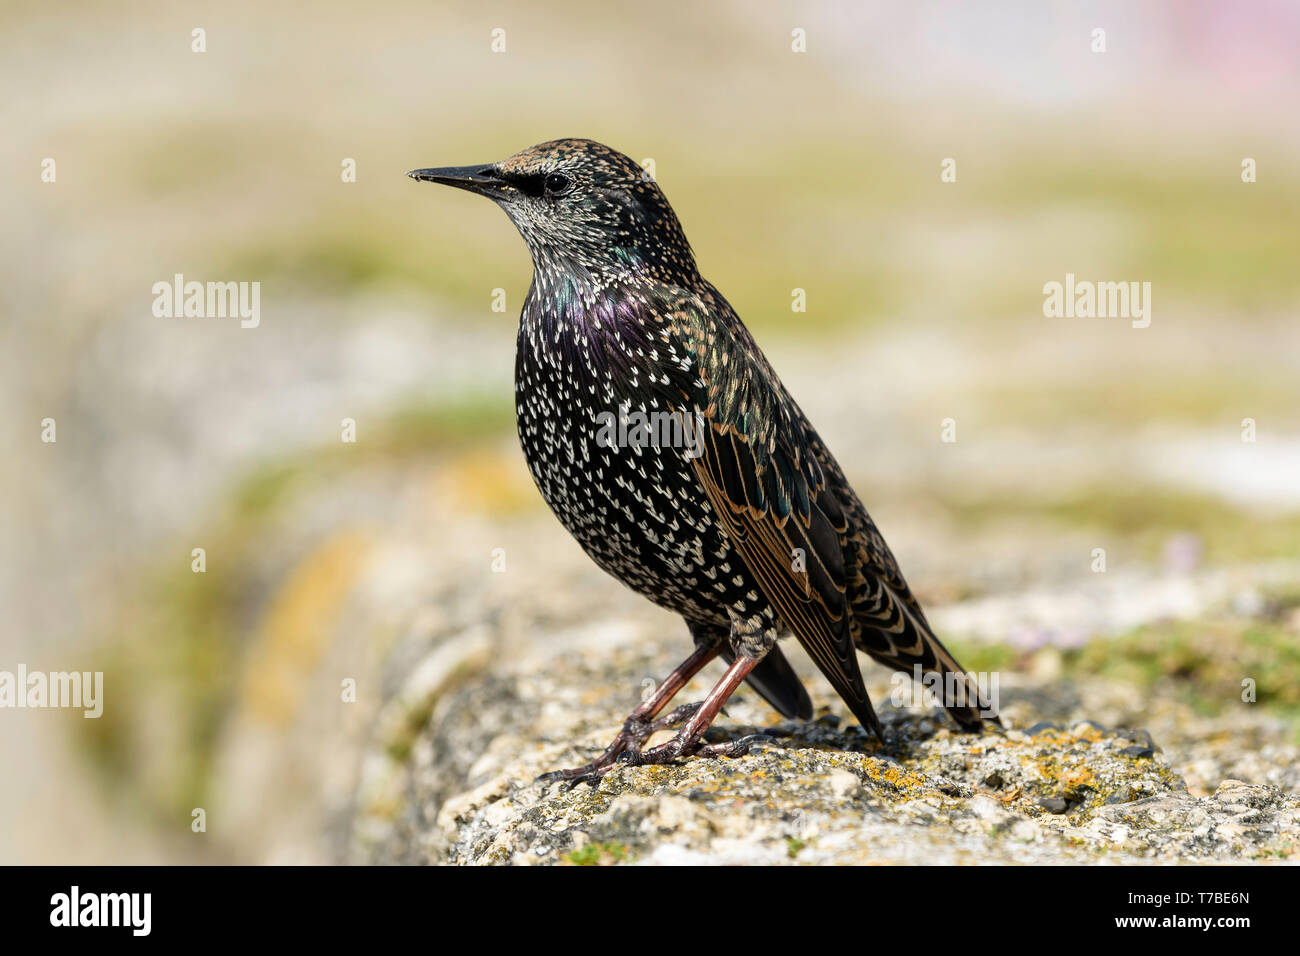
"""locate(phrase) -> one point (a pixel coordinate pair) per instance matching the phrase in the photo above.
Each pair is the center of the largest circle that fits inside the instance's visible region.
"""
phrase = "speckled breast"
(639, 512)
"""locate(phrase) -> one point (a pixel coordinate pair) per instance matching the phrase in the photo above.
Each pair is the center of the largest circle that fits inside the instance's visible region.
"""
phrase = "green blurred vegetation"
(598, 854)
(417, 430)
(1207, 660)
(1199, 235)
(1145, 518)
(1201, 663)
(1161, 397)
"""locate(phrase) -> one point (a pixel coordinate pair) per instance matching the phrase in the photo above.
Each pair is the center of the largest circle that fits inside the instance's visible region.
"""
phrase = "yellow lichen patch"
(1050, 735)
(1087, 732)
(297, 626)
(1074, 778)
(896, 776)
(1064, 770)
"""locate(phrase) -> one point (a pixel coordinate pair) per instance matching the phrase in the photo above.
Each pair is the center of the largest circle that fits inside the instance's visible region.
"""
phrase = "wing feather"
(770, 495)
(794, 520)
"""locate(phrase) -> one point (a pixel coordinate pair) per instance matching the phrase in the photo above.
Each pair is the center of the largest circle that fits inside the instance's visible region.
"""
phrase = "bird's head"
(582, 208)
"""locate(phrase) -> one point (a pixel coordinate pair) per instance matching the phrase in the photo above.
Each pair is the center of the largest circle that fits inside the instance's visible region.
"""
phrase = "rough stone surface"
(449, 775)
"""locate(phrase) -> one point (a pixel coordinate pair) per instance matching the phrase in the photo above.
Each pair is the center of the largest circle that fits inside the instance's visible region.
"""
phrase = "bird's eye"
(557, 184)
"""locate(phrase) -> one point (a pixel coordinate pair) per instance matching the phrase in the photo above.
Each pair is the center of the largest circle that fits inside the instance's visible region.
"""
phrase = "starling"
(737, 516)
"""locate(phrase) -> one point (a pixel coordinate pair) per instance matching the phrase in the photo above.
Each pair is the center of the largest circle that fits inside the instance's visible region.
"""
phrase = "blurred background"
(816, 170)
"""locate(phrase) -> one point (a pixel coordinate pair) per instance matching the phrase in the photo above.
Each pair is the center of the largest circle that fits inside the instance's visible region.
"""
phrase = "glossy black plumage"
(749, 530)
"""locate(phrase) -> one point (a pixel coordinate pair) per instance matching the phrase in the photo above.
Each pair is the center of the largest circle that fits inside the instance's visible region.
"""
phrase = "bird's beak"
(485, 180)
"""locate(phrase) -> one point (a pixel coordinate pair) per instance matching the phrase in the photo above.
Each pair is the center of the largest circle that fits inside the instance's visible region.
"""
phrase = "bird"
(730, 511)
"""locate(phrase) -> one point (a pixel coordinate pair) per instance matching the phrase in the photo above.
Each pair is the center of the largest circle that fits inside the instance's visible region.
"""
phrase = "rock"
(471, 683)
(820, 792)
(1138, 751)
(1054, 804)
(1141, 737)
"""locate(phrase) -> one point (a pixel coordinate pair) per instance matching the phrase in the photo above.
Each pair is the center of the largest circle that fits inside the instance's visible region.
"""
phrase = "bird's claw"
(625, 750)
(681, 747)
(568, 779)
(735, 748)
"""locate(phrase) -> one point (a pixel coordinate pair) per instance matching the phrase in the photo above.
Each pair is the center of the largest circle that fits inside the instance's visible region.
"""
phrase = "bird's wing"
(889, 623)
(768, 491)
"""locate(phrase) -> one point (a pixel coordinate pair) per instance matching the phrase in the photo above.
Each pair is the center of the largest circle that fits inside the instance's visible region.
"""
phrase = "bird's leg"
(641, 723)
(688, 738)
(751, 639)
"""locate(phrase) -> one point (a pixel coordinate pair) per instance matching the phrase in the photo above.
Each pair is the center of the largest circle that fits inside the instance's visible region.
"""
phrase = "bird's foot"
(684, 745)
(629, 740)
(689, 740)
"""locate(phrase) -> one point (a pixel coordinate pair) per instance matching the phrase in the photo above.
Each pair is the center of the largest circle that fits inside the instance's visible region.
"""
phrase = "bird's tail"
(908, 644)
(969, 707)
(778, 684)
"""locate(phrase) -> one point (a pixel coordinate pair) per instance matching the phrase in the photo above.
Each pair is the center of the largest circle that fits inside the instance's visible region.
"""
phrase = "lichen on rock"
(1072, 790)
